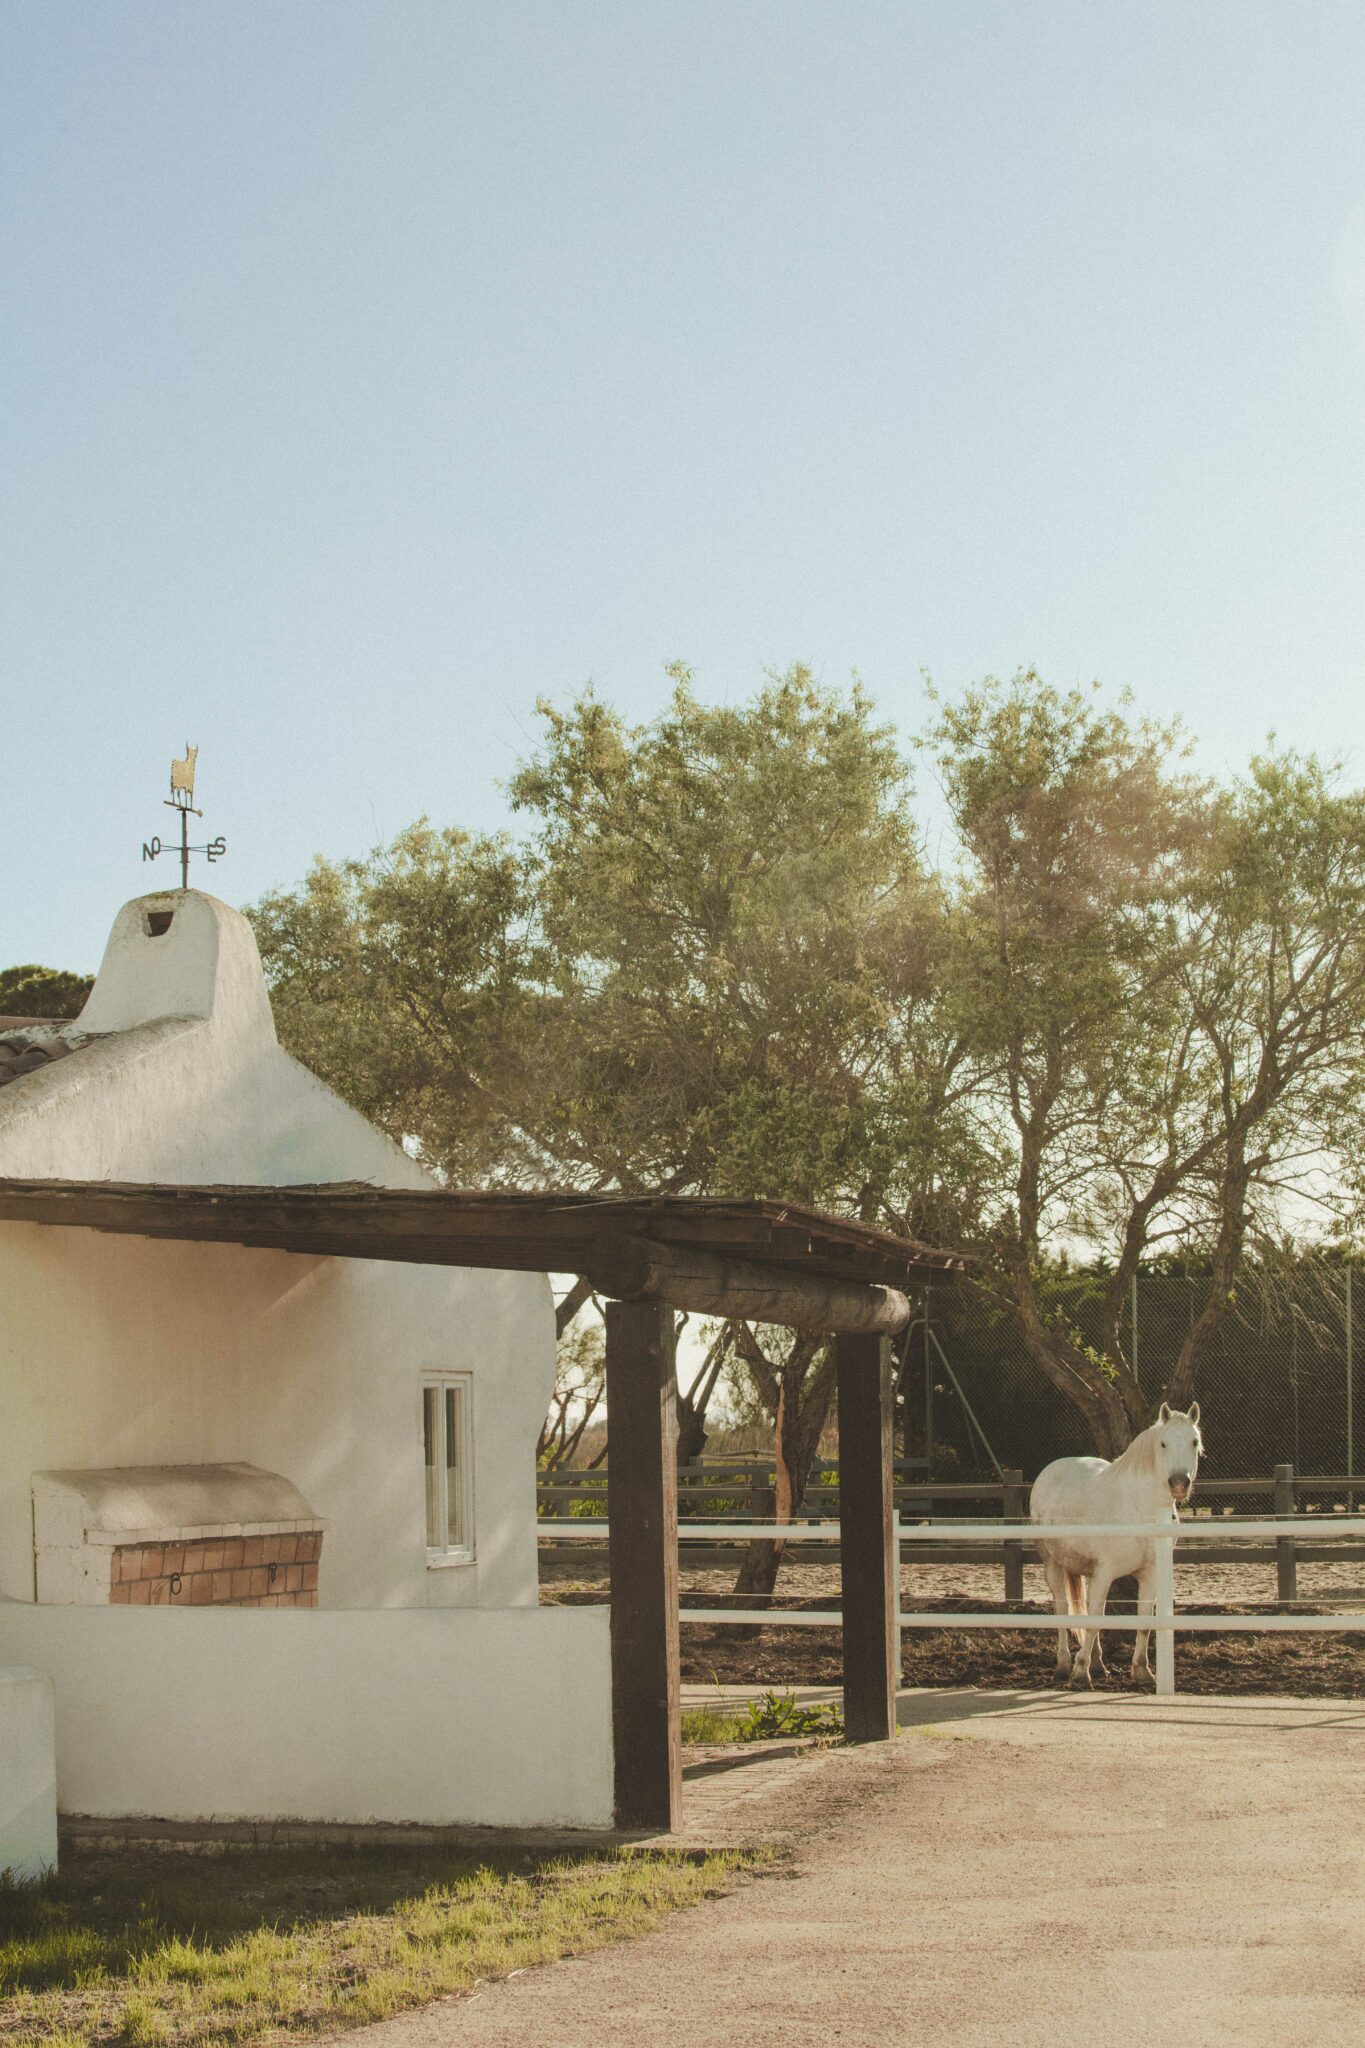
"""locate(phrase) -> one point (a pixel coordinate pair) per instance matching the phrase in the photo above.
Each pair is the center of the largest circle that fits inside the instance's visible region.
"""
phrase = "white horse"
(1144, 1485)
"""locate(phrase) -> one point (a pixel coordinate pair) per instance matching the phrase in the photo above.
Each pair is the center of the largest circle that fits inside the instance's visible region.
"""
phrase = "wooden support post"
(870, 1566)
(1286, 1563)
(1015, 1504)
(642, 1495)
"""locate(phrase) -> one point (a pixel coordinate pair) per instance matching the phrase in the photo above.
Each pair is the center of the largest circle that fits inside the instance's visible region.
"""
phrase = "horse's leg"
(1056, 1581)
(1097, 1593)
(1146, 1604)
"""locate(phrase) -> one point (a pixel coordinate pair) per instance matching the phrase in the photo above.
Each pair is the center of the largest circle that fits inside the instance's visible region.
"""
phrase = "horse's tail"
(1075, 1593)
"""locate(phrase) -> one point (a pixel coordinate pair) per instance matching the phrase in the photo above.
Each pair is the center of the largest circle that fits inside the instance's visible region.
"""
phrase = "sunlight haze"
(371, 370)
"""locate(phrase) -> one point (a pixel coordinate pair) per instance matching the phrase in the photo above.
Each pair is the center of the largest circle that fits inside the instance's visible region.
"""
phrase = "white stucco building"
(284, 1503)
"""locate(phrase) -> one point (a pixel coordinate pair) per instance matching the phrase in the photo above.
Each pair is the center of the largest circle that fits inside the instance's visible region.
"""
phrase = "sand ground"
(1015, 1870)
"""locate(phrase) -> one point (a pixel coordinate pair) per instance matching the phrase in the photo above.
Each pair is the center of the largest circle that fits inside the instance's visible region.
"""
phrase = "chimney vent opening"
(159, 923)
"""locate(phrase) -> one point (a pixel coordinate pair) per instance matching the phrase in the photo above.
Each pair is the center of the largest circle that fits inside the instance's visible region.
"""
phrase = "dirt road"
(1015, 1871)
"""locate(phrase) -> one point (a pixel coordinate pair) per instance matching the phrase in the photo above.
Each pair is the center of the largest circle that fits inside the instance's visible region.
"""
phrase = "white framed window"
(448, 1445)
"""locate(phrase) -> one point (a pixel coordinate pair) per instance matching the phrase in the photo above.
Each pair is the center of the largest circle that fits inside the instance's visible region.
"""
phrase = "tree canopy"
(42, 992)
(1157, 991)
(1123, 1016)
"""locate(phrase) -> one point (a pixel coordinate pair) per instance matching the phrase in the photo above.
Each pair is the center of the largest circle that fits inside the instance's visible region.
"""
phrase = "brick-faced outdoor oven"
(174, 1535)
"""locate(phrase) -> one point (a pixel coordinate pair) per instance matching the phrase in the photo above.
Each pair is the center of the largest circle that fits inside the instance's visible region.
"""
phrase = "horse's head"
(1178, 1447)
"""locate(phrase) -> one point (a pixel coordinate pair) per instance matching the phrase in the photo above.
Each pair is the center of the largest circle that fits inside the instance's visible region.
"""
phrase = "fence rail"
(700, 1481)
(953, 1542)
(1163, 1622)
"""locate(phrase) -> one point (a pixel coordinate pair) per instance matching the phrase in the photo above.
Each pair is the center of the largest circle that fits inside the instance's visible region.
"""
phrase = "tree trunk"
(571, 1304)
(1110, 1401)
(802, 1411)
(696, 1399)
(1227, 1256)
(691, 1430)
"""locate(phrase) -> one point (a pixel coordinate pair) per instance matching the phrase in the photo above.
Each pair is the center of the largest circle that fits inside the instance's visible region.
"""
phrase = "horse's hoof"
(1081, 1682)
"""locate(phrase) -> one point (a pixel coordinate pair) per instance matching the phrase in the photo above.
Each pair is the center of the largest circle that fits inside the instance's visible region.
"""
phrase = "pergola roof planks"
(776, 1262)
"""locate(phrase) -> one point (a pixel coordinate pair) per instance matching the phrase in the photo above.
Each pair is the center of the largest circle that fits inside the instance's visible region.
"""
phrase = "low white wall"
(497, 1717)
(28, 1787)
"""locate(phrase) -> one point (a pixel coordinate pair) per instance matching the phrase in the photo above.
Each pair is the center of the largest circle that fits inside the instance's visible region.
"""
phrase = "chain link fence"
(1281, 1381)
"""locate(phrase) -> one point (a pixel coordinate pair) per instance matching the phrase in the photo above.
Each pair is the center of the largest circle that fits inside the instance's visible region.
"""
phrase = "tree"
(1155, 1014)
(690, 978)
(695, 1399)
(42, 992)
(1126, 1021)
(412, 982)
(735, 905)
(1273, 1003)
(579, 1390)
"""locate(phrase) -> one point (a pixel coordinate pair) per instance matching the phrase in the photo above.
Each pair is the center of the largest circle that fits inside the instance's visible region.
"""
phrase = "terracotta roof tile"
(25, 1052)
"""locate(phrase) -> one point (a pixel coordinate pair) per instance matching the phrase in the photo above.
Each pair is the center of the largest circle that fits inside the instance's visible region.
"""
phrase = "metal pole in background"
(1136, 1380)
(1350, 1399)
(928, 1392)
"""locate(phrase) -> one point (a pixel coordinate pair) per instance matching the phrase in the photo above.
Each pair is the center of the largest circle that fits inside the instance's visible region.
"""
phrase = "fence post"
(896, 1554)
(1165, 1611)
(1015, 1509)
(1286, 1560)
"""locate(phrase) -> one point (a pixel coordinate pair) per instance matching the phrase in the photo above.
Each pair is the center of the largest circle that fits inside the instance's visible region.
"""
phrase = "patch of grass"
(774, 1716)
(169, 1950)
(711, 1724)
(780, 1713)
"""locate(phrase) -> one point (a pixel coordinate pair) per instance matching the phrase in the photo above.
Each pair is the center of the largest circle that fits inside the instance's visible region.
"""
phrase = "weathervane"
(181, 800)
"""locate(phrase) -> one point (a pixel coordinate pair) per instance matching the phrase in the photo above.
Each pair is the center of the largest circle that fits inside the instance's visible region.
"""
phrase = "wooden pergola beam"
(551, 1231)
(640, 1270)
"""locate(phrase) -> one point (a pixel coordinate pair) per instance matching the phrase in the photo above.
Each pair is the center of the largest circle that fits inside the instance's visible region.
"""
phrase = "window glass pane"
(455, 1532)
(431, 1432)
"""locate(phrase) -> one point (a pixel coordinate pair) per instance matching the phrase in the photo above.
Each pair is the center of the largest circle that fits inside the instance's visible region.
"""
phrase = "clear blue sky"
(369, 370)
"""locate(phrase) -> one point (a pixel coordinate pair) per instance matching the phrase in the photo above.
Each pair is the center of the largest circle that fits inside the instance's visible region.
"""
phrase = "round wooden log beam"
(637, 1269)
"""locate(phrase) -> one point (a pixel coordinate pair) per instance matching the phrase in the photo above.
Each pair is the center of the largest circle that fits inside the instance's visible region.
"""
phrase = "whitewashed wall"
(497, 1718)
(123, 1351)
(28, 1791)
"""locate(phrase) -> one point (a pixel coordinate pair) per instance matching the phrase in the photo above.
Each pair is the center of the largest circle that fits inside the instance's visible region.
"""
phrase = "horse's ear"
(1165, 1414)
(1194, 1413)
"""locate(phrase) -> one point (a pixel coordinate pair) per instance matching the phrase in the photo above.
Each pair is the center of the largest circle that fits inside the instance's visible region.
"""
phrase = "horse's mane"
(1140, 1455)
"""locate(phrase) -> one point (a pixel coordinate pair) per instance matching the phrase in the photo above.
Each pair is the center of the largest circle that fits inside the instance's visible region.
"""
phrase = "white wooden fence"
(1165, 1623)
